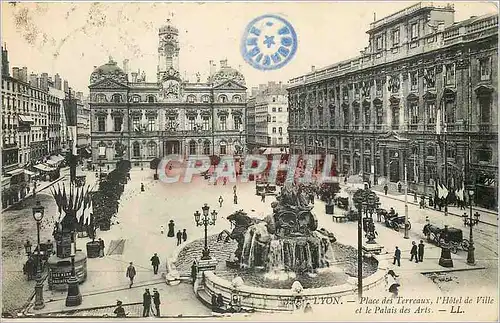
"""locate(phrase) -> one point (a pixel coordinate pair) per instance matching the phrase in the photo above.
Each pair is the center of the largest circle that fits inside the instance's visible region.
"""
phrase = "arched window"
(151, 99)
(205, 99)
(206, 148)
(117, 98)
(100, 97)
(152, 148)
(222, 98)
(223, 148)
(191, 99)
(192, 147)
(136, 149)
(236, 99)
(136, 98)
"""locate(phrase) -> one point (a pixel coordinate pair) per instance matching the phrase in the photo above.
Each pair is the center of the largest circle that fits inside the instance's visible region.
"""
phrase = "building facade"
(139, 120)
(83, 124)
(271, 115)
(423, 86)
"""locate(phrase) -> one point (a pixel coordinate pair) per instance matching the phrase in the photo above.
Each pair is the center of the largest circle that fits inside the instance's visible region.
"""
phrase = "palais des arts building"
(382, 109)
(136, 120)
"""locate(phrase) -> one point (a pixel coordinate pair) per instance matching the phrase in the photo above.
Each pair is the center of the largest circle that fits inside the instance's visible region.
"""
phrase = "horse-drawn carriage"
(446, 237)
(266, 188)
(393, 220)
(342, 202)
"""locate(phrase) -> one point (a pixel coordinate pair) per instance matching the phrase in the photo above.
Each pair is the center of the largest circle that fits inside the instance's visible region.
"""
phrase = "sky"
(71, 38)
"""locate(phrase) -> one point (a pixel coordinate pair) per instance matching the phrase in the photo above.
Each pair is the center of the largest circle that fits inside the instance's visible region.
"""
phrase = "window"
(206, 148)
(274, 99)
(172, 124)
(136, 123)
(191, 123)
(485, 68)
(274, 129)
(431, 112)
(99, 98)
(136, 99)
(205, 99)
(118, 123)
(191, 98)
(236, 99)
(367, 116)
(237, 123)
(484, 154)
(485, 109)
(378, 88)
(380, 114)
(379, 43)
(151, 123)
(136, 149)
(206, 123)
(192, 147)
(430, 77)
(356, 115)
(274, 109)
(395, 116)
(449, 116)
(222, 98)
(280, 130)
(152, 148)
(222, 148)
(346, 117)
(413, 112)
(222, 122)
(450, 74)
(413, 81)
(151, 99)
(414, 31)
(101, 123)
(310, 118)
(280, 109)
(117, 98)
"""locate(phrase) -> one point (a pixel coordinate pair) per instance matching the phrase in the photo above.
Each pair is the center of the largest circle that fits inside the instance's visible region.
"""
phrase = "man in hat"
(146, 303)
(179, 237)
(156, 301)
(101, 248)
(155, 262)
(119, 310)
(131, 274)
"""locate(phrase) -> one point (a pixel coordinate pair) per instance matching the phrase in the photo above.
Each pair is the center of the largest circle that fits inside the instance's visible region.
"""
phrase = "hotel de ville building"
(423, 93)
(139, 121)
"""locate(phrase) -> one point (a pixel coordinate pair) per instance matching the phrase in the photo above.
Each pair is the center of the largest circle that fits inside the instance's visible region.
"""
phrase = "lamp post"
(73, 298)
(38, 212)
(471, 222)
(406, 203)
(205, 219)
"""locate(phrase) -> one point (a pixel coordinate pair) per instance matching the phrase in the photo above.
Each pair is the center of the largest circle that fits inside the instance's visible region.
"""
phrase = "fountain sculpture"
(285, 242)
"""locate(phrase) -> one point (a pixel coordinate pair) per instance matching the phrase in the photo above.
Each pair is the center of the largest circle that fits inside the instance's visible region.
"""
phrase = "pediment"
(108, 84)
(231, 85)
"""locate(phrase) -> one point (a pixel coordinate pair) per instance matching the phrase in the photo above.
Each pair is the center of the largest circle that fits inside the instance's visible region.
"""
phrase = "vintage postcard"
(258, 161)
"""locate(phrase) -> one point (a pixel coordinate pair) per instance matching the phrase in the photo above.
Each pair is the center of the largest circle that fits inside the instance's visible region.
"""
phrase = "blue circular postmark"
(269, 42)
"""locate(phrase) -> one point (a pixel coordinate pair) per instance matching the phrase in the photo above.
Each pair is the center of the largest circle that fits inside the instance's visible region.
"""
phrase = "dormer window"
(191, 98)
(236, 99)
(151, 99)
(117, 98)
(205, 99)
(222, 99)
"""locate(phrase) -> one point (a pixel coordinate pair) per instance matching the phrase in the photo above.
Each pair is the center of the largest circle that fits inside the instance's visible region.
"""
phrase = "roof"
(44, 168)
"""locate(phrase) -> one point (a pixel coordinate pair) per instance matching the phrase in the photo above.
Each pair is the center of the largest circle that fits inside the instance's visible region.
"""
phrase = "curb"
(413, 203)
(451, 270)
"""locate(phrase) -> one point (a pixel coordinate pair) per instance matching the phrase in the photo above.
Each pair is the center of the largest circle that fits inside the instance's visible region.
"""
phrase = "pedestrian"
(308, 308)
(142, 187)
(263, 197)
(194, 272)
(399, 187)
(155, 262)
(162, 229)
(184, 235)
(131, 274)
(397, 257)
(413, 251)
(119, 310)
(234, 189)
(415, 198)
(101, 248)
(28, 268)
(392, 282)
(146, 303)
(345, 179)
(220, 201)
(421, 251)
(179, 237)
(385, 189)
(224, 180)
(235, 199)
(156, 301)
(171, 229)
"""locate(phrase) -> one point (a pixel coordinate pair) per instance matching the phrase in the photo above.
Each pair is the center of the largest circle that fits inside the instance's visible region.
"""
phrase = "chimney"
(44, 81)
(15, 73)
(34, 80)
(24, 74)
(65, 86)
(134, 77)
(57, 82)
(313, 68)
(212, 68)
(126, 66)
(5, 61)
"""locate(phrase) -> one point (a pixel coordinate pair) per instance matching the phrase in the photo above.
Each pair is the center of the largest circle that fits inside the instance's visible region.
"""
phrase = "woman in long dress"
(171, 229)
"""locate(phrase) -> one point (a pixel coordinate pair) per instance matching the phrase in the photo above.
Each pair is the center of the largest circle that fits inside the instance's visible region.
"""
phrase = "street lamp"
(73, 298)
(38, 212)
(27, 248)
(406, 203)
(472, 222)
(205, 221)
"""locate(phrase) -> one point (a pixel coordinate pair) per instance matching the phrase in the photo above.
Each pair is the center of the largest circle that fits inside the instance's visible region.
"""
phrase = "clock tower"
(168, 50)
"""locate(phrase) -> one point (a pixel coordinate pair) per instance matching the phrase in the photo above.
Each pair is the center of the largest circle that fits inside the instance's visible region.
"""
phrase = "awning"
(273, 151)
(29, 173)
(52, 162)
(16, 172)
(26, 119)
(57, 158)
(44, 168)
